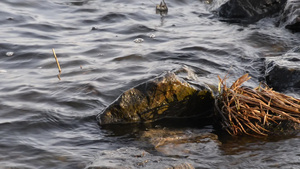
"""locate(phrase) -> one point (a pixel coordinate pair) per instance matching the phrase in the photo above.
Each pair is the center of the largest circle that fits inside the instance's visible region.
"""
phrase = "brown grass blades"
(255, 112)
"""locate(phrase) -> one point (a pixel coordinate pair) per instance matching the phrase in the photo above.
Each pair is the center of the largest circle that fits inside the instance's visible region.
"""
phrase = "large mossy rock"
(167, 96)
(249, 11)
(283, 72)
(290, 18)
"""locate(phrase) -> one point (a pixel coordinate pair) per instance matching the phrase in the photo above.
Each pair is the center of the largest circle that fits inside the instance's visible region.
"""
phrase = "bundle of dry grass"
(257, 112)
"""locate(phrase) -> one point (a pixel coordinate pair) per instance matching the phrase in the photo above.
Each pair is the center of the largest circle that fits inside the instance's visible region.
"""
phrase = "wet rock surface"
(249, 11)
(283, 72)
(290, 18)
(167, 96)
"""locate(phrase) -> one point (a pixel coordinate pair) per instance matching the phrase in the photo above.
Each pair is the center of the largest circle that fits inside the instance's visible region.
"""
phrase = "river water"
(50, 123)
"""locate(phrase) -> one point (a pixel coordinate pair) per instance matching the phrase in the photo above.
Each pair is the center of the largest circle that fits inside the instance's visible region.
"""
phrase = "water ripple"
(50, 123)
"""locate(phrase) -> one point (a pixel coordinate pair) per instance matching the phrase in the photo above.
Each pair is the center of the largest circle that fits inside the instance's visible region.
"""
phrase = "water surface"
(50, 123)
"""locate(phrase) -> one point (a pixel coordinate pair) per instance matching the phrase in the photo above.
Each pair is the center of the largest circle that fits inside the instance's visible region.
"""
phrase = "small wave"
(113, 17)
(132, 57)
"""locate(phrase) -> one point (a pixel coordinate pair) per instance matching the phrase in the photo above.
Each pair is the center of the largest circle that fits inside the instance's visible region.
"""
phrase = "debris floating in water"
(9, 53)
(138, 40)
(58, 66)
(162, 7)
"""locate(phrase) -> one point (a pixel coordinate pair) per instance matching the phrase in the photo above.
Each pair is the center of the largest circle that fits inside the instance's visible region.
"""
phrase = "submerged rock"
(249, 11)
(290, 18)
(164, 97)
(283, 72)
(132, 157)
(180, 142)
(173, 149)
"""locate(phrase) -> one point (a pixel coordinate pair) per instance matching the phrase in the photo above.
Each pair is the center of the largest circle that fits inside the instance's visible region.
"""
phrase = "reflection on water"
(50, 123)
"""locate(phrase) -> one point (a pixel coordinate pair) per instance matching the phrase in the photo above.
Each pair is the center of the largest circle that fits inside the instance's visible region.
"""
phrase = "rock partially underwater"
(132, 157)
(167, 96)
(181, 142)
(290, 18)
(163, 148)
(249, 11)
(283, 72)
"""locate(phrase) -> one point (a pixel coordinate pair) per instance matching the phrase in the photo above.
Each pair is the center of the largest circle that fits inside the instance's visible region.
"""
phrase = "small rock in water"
(9, 53)
(138, 40)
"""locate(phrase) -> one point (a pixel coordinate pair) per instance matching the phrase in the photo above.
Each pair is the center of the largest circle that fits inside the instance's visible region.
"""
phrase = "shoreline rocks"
(283, 72)
(167, 96)
(249, 11)
(290, 18)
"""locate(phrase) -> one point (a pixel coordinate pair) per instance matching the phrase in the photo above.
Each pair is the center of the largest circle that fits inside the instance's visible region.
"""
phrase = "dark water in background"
(50, 123)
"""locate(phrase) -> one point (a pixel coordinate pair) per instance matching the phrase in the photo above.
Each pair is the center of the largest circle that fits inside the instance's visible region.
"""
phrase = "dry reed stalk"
(254, 111)
(58, 66)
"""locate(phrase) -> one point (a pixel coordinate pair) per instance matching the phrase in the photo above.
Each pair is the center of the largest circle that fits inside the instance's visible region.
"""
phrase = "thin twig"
(58, 66)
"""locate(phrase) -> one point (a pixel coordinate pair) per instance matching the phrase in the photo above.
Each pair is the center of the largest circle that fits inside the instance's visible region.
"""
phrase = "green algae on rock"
(167, 96)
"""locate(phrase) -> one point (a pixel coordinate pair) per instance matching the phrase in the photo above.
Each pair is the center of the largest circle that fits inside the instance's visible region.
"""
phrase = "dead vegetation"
(256, 112)
(58, 66)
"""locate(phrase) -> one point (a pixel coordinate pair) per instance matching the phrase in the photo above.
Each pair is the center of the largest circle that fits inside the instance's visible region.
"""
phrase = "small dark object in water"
(162, 7)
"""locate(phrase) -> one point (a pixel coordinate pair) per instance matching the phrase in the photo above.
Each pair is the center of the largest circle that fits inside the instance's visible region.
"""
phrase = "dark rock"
(164, 97)
(249, 11)
(283, 72)
(290, 17)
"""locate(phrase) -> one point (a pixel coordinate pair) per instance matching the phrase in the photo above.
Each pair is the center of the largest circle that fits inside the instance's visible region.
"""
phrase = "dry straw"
(255, 112)
(58, 66)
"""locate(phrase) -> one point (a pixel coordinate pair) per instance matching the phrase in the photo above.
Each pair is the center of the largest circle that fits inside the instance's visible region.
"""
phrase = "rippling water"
(50, 123)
